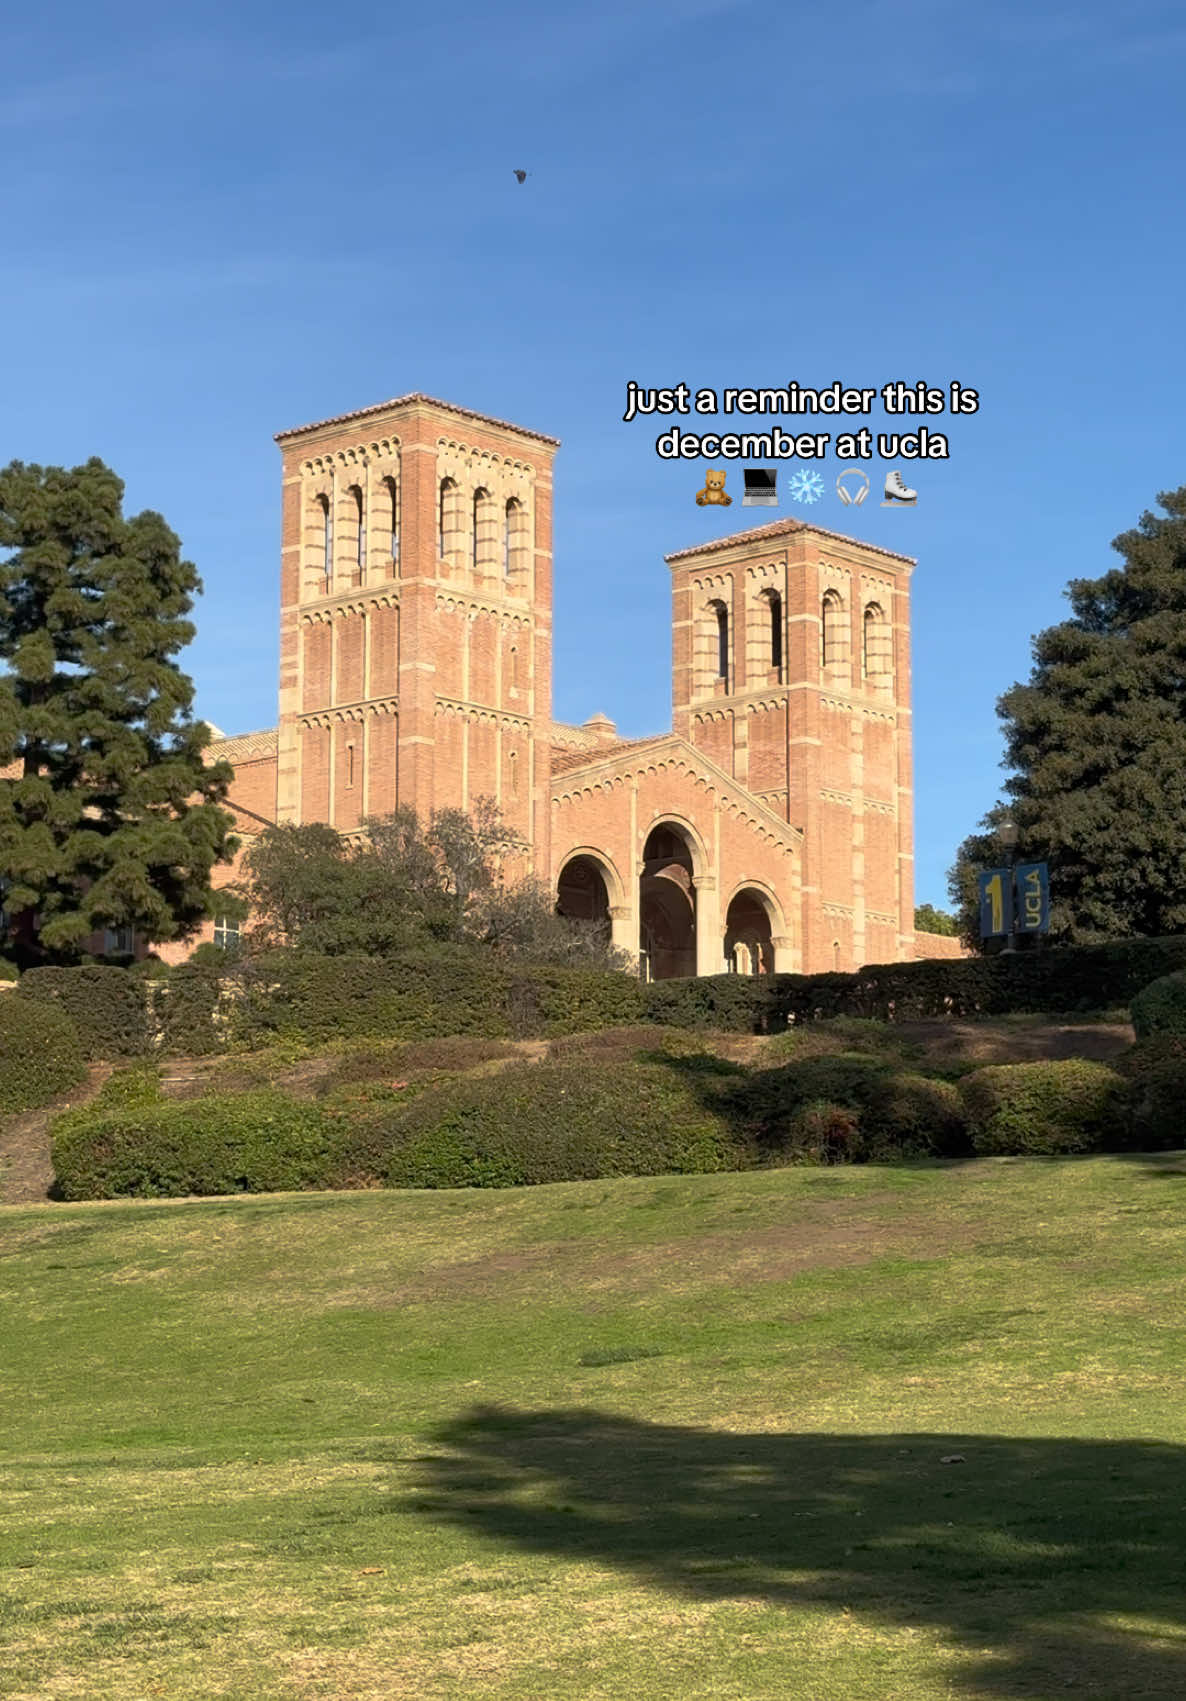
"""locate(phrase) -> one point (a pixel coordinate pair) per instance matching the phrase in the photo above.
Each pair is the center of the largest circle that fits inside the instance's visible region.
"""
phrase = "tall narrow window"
(514, 773)
(349, 766)
(327, 534)
(832, 647)
(723, 643)
(836, 954)
(443, 516)
(776, 633)
(514, 667)
(360, 546)
(392, 489)
(227, 933)
(484, 529)
(876, 659)
(509, 521)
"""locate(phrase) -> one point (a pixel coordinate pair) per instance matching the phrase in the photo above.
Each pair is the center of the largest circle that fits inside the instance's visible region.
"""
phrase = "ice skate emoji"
(897, 494)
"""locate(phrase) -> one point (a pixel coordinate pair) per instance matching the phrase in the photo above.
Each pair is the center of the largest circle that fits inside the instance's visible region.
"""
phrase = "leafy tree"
(927, 919)
(1096, 741)
(406, 886)
(520, 922)
(111, 818)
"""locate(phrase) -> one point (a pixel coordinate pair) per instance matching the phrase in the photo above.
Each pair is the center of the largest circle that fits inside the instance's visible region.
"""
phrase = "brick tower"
(791, 670)
(416, 617)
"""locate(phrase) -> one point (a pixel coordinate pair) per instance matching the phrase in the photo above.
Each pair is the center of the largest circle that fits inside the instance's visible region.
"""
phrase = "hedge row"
(41, 1054)
(206, 1007)
(687, 1112)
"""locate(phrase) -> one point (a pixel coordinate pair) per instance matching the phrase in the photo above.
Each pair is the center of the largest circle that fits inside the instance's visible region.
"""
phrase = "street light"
(1007, 835)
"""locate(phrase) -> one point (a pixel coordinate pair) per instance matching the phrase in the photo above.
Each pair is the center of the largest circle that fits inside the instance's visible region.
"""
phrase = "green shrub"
(739, 1004)
(547, 1122)
(889, 1112)
(185, 1010)
(8, 971)
(1160, 1007)
(41, 1054)
(547, 1001)
(1155, 1069)
(259, 1142)
(838, 1034)
(107, 1005)
(821, 1132)
(1046, 1108)
(129, 1088)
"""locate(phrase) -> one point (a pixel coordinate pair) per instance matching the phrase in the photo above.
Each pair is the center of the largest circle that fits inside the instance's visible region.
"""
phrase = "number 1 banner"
(996, 901)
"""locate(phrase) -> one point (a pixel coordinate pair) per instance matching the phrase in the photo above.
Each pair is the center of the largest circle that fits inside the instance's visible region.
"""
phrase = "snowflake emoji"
(805, 486)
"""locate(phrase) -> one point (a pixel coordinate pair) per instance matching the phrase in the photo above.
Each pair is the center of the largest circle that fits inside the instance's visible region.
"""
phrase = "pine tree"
(1096, 742)
(112, 818)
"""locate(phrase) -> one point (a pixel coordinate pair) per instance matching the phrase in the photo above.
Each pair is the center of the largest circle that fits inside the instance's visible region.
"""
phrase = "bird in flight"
(520, 175)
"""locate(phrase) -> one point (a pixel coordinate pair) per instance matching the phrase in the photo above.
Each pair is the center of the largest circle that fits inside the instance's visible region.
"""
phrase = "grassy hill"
(862, 1433)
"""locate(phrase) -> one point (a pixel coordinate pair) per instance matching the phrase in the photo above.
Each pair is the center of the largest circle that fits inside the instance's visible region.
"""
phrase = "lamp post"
(1007, 835)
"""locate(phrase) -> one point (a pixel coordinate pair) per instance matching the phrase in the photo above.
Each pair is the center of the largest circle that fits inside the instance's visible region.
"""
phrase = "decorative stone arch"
(614, 886)
(756, 940)
(701, 862)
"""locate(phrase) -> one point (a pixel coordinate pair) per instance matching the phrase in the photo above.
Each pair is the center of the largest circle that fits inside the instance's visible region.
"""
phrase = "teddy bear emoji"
(714, 489)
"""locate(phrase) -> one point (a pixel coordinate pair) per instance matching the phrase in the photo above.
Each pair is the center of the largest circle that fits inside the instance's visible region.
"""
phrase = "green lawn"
(669, 1438)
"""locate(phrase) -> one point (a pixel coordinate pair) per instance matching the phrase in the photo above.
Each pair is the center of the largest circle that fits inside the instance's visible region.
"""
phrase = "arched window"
(836, 954)
(722, 619)
(510, 519)
(392, 488)
(475, 526)
(832, 647)
(360, 546)
(444, 516)
(876, 660)
(775, 602)
(327, 534)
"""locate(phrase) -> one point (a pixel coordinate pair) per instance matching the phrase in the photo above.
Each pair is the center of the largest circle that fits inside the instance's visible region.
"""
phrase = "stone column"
(624, 930)
(710, 943)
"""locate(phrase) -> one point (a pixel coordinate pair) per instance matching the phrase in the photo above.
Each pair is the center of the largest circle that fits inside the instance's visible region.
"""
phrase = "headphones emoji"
(857, 497)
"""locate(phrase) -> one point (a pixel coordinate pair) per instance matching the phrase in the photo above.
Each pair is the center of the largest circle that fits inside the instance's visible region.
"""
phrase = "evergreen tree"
(111, 818)
(1096, 742)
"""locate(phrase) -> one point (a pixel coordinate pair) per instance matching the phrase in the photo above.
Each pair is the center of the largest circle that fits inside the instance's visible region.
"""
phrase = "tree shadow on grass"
(1055, 1564)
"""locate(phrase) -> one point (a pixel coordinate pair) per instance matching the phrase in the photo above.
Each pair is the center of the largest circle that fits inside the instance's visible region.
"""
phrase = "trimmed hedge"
(41, 1054)
(258, 1142)
(546, 1122)
(1060, 979)
(1160, 1007)
(1155, 1069)
(107, 1005)
(846, 1107)
(450, 991)
(1047, 1108)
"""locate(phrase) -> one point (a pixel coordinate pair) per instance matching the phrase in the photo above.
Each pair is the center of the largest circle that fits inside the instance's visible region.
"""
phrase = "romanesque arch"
(671, 858)
(753, 920)
(583, 889)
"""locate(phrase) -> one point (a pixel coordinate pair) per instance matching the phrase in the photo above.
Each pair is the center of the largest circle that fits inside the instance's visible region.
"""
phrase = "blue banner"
(1033, 898)
(996, 901)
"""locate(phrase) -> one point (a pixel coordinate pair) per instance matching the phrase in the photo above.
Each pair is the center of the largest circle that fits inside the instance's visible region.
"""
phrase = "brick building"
(771, 828)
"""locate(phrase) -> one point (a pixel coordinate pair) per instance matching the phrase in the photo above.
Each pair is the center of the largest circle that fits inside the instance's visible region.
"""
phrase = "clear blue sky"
(224, 221)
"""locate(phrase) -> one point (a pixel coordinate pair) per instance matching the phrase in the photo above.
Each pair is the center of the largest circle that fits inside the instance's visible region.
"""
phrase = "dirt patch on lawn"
(831, 1236)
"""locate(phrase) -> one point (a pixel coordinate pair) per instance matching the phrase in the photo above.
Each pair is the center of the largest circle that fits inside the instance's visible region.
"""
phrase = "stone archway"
(582, 893)
(749, 936)
(667, 905)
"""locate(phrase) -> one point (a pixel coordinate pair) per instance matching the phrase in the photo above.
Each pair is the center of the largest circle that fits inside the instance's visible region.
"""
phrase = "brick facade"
(772, 827)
